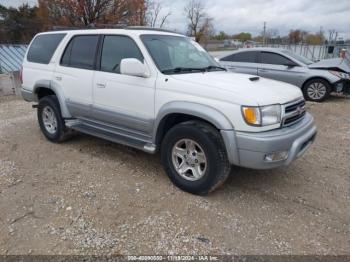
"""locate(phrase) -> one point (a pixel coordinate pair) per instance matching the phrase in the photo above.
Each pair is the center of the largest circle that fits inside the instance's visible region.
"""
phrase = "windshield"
(177, 54)
(300, 58)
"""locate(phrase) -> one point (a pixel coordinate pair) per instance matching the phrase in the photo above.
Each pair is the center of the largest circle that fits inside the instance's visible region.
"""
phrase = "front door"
(278, 67)
(126, 102)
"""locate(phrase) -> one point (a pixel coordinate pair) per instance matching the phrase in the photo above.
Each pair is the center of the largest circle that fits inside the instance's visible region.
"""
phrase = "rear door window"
(43, 48)
(81, 52)
(243, 57)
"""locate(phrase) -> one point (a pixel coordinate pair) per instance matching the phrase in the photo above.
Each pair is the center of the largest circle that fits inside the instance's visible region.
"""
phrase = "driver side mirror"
(134, 67)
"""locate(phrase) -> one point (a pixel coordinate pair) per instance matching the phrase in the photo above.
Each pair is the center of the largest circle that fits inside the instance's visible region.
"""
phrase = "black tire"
(218, 167)
(309, 86)
(61, 132)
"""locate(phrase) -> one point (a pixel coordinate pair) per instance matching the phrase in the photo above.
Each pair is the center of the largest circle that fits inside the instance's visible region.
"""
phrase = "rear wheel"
(317, 90)
(50, 120)
(194, 157)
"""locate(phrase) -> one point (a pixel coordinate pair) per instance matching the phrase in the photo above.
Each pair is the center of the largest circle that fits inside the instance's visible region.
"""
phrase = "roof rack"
(149, 29)
(89, 27)
(110, 26)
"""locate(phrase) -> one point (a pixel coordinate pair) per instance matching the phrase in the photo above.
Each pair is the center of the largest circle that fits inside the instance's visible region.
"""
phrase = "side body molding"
(59, 93)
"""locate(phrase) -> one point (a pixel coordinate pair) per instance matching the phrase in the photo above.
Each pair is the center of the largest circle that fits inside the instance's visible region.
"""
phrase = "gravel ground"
(88, 196)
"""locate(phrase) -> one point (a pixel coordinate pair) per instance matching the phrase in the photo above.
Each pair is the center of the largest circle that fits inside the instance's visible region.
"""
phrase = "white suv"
(156, 90)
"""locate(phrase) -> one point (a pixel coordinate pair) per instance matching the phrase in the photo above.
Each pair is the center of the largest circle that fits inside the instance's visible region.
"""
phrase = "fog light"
(339, 87)
(276, 156)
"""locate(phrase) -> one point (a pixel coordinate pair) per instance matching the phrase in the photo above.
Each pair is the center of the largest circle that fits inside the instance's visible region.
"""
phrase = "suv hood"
(262, 91)
(340, 63)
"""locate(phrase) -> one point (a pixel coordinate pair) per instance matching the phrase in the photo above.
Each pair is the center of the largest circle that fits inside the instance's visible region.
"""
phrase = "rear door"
(278, 67)
(75, 73)
(243, 62)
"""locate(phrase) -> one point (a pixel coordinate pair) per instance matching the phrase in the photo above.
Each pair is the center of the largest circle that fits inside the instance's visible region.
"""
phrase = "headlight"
(340, 74)
(262, 116)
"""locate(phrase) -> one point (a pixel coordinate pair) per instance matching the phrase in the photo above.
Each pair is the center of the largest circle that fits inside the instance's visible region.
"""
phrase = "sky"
(234, 16)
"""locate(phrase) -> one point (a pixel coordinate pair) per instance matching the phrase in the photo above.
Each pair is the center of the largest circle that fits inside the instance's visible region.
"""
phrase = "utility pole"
(264, 34)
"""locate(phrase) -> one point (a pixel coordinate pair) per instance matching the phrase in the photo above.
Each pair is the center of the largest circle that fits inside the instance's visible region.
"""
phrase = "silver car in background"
(317, 80)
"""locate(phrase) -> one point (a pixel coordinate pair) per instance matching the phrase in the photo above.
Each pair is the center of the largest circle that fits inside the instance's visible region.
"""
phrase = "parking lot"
(89, 196)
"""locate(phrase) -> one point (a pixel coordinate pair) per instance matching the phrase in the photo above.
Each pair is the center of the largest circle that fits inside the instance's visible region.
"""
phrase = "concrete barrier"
(10, 84)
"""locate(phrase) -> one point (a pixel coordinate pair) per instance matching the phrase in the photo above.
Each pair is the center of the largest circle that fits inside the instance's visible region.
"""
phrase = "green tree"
(243, 36)
(18, 25)
(221, 36)
(315, 39)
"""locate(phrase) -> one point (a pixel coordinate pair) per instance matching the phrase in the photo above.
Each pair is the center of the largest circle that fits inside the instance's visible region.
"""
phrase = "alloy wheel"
(189, 159)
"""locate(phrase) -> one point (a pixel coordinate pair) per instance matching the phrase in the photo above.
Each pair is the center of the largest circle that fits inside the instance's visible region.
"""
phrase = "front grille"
(293, 113)
(293, 107)
(291, 120)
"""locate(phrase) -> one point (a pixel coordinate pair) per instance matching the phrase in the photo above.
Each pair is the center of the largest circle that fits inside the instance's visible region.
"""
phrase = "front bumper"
(250, 149)
(342, 86)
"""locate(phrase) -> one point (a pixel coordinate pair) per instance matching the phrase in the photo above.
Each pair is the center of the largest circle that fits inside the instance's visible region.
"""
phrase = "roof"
(132, 30)
(11, 57)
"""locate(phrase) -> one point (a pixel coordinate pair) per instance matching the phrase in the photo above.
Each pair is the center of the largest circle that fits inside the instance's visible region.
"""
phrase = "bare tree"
(206, 31)
(155, 17)
(92, 10)
(195, 13)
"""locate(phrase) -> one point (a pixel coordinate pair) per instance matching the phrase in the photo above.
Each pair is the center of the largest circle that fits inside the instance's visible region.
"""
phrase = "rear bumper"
(28, 95)
(250, 149)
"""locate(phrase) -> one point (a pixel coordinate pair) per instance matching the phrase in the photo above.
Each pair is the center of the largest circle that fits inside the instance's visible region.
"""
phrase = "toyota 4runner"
(160, 91)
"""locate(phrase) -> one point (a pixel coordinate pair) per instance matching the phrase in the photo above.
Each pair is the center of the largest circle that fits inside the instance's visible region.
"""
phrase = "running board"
(110, 135)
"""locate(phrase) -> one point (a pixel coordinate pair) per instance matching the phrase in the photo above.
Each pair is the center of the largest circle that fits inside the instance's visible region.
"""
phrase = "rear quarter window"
(43, 48)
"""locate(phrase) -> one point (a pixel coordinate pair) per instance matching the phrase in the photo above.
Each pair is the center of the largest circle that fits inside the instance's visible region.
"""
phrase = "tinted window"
(274, 59)
(246, 57)
(81, 52)
(43, 48)
(116, 48)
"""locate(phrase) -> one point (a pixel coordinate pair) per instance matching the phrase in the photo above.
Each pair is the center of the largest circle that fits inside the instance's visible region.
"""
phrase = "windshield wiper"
(190, 69)
(214, 67)
(182, 69)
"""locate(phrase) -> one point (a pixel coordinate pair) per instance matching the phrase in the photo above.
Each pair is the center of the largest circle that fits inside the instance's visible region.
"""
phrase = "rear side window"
(80, 52)
(43, 48)
(115, 49)
(244, 57)
(273, 59)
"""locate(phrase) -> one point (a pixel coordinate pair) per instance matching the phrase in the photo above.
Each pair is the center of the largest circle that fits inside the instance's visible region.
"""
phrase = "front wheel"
(317, 90)
(194, 157)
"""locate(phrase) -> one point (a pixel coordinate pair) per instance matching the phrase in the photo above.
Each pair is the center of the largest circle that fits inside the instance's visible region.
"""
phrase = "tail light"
(21, 75)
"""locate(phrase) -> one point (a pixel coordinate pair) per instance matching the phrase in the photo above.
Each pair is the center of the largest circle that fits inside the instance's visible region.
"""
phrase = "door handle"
(101, 85)
(231, 67)
(59, 78)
